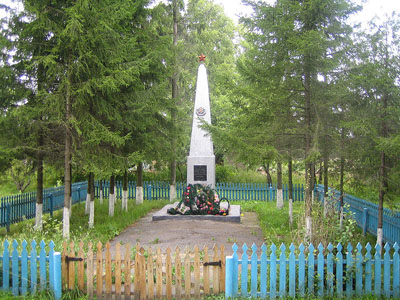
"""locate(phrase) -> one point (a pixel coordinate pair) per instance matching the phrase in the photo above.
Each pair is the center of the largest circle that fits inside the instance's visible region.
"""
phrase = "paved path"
(182, 233)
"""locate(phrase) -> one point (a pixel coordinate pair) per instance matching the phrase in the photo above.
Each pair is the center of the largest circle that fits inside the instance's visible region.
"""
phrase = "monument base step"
(234, 215)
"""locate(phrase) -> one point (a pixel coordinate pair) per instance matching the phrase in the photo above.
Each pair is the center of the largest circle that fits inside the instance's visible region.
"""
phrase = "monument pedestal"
(201, 169)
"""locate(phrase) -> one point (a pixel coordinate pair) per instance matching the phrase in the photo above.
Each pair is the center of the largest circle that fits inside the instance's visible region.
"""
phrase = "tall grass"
(277, 229)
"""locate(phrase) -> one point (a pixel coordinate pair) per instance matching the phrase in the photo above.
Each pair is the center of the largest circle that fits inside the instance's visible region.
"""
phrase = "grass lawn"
(277, 229)
(104, 230)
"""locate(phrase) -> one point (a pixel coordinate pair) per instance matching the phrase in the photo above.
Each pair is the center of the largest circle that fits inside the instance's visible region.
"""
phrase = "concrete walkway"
(182, 233)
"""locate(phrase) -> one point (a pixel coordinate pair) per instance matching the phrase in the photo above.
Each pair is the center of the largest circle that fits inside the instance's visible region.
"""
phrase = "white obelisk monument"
(201, 159)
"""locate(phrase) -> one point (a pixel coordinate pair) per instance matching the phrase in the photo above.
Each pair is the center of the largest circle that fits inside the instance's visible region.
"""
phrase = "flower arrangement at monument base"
(198, 199)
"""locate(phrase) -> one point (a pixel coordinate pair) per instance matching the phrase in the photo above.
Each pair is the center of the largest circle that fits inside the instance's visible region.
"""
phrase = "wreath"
(198, 199)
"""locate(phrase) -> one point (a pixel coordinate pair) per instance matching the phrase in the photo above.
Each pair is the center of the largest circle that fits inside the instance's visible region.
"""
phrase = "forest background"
(103, 90)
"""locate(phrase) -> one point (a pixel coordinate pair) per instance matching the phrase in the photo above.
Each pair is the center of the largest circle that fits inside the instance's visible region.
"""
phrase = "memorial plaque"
(200, 173)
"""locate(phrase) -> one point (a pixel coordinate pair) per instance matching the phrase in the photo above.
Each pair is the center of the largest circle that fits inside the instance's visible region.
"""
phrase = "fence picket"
(263, 271)
(118, 271)
(377, 281)
(150, 273)
(159, 274)
(310, 264)
(71, 267)
(272, 273)
(188, 288)
(235, 275)
(396, 271)
(81, 268)
(320, 268)
(168, 271)
(254, 272)
(99, 271)
(386, 271)
(302, 271)
(42, 265)
(222, 270)
(245, 270)
(33, 264)
(329, 270)
(178, 274)
(64, 266)
(339, 270)
(349, 271)
(90, 271)
(127, 271)
(215, 272)
(196, 271)
(108, 269)
(24, 268)
(282, 272)
(14, 268)
(359, 270)
(292, 271)
(206, 272)
(142, 277)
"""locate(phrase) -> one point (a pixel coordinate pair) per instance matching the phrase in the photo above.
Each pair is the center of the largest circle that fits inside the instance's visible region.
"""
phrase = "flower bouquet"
(198, 199)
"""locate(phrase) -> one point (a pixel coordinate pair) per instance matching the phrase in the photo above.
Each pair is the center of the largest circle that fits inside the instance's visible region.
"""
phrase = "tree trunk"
(320, 173)
(67, 162)
(341, 178)
(70, 183)
(39, 191)
(290, 183)
(101, 191)
(91, 203)
(111, 198)
(383, 186)
(139, 183)
(326, 199)
(309, 165)
(172, 193)
(125, 191)
(279, 192)
(268, 174)
(89, 191)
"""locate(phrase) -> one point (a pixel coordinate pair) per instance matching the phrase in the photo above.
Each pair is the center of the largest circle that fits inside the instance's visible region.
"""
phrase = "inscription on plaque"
(200, 173)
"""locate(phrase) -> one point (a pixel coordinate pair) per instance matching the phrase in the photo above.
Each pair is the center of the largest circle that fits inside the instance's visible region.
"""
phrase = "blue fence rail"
(231, 191)
(24, 272)
(323, 271)
(14, 209)
(366, 215)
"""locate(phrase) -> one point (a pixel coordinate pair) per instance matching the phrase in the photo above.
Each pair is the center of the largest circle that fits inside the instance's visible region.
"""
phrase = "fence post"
(8, 216)
(57, 275)
(79, 194)
(51, 205)
(229, 277)
(149, 192)
(365, 220)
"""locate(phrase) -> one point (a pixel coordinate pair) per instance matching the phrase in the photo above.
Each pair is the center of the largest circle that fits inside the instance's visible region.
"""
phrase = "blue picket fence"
(308, 271)
(16, 208)
(366, 214)
(24, 272)
(231, 191)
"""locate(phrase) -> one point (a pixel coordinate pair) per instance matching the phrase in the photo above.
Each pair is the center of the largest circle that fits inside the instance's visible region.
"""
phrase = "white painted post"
(91, 214)
(279, 198)
(139, 195)
(172, 192)
(38, 216)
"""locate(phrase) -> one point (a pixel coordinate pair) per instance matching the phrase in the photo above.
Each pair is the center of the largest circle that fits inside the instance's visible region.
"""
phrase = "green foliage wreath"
(198, 199)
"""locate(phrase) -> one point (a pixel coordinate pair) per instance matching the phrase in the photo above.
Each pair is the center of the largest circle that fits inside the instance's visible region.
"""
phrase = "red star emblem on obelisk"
(202, 57)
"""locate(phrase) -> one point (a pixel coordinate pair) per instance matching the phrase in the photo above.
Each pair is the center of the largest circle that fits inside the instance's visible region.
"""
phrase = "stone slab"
(234, 215)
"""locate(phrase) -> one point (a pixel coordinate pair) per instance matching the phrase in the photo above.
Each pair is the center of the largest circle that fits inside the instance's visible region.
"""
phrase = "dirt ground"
(182, 233)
